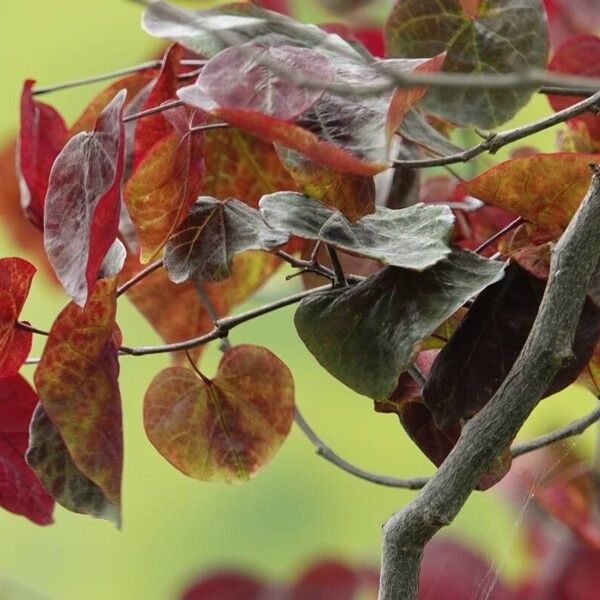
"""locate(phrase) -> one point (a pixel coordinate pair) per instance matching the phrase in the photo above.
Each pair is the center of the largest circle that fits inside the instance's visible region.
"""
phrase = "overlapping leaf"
(413, 238)
(48, 456)
(416, 128)
(82, 209)
(366, 335)
(15, 343)
(20, 490)
(544, 189)
(479, 356)
(78, 388)
(505, 36)
(226, 428)
(519, 247)
(41, 137)
(167, 182)
(578, 56)
(202, 248)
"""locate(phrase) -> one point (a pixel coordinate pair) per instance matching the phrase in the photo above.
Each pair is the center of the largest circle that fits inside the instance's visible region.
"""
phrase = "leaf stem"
(152, 111)
(139, 276)
(340, 277)
(513, 225)
(31, 328)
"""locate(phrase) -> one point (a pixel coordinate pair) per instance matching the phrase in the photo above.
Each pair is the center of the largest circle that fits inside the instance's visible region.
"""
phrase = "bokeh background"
(175, 529)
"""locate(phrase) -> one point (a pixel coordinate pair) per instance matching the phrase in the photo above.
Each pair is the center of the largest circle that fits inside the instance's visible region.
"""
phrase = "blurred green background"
(174, 528)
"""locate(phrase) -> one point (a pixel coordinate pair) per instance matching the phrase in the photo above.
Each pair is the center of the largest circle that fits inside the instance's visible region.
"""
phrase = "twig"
(340, 277)
(313, 266)
(31, 328)
(213, 314)
(222, 326)
(518, 221)
(153, 110)
(139, 276)
(484, 437)
(208, 127)
(496, 141)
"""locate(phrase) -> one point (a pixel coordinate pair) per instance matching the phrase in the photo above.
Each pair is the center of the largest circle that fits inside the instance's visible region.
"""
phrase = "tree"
(258, 140)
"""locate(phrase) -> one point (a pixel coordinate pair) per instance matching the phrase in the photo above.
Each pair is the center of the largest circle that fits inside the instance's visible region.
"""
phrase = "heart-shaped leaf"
(15, 280)
(77, 381)
(20, 491)
(413, 238)
(227, 428)
(204, 245)
(505, 36)
(83, 202)
(368, 334)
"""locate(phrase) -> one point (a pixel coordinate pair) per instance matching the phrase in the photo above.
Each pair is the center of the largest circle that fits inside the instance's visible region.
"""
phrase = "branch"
(546, 350)
(313, 266)
(496, 141)
(222, 326)
(340, 277)
(139, 276)
(518, 221)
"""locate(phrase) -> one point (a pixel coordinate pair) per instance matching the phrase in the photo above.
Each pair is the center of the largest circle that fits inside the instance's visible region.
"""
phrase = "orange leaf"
(544, 189)
(224, 429)
(77, 384)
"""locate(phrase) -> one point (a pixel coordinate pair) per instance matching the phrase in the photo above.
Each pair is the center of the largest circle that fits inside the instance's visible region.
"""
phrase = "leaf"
(20, 491)
(153, 128)
(519, 247)
(239, 165)
(186, 317)
(577, 56)
(243, 78)
(544, 189)
(49, 458)
(208, 32)
(227, 585)
(506, 37)
(569, 18)
(78, 388)
(225, 429)
(204, 245)
(590, 376)
(83, 201)
(15, 343)
(471, 7)
(353, 195)
(166, 183)
(479, 356)
(413, 238)
(366, 335)
(416, 128)
(41, 137)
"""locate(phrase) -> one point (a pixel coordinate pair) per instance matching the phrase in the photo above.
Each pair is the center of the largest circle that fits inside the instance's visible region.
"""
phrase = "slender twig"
(31, 328)
(514, 224)
(222, 326)
(153, 110)
(139, 276)
(212, 313)
(340, 277)
(566, 91)
(484, 437)
(208, 127)
(496, 141)
(454, 173)
(35, 360)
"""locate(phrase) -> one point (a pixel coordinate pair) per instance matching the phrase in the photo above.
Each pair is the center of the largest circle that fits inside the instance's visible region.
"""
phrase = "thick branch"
(498, 140)
(547, 348)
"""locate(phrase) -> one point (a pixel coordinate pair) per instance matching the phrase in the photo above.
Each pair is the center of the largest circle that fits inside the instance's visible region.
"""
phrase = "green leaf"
(367, 335)
(413, 238)
(204, 245)
(506, 36)
(48, 456)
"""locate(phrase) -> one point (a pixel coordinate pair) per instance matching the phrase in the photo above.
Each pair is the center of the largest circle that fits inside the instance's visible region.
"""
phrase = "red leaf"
(15, 279)
(568, 18)
(227, 585)
(20, 490)
(167, 182)
(83, 201)
(578, 56)
(327, 579)
(77, 383)
(151, 129)
(471, 7)
(42, 136)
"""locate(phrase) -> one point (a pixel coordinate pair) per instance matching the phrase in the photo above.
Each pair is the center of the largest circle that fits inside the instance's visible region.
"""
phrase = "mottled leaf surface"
(202, 248)
(166, 182)
(506, 36)
(226, 428)
(49, 458)
(15, 343)
(413, 238)
(417, 129)
(479, 356)
(77, 381)
(367, 334)
(544, 189)
(41, 137)
(81, 219)
(20, 491)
